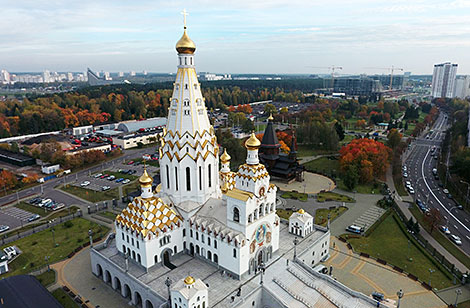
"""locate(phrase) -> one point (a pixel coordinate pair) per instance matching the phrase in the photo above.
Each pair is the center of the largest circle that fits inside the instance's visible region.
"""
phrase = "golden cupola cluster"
(225, 158)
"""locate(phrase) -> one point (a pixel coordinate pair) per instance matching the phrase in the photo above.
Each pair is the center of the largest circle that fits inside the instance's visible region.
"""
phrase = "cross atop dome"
(185, 45)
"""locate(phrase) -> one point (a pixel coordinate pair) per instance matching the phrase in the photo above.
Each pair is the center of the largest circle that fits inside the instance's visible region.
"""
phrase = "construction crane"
(392, 69)
(333, 68)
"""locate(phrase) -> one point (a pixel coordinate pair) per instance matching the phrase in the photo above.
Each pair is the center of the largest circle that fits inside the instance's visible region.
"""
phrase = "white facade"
(443, 80)
(301, 223)
(82, 130)
(189, 293)
(49, 169)
(231, 223)
(462, 87)
(133, 140)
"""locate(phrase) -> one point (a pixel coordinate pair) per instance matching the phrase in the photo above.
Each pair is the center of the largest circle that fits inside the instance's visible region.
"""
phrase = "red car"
(131, 162)
(104, 176)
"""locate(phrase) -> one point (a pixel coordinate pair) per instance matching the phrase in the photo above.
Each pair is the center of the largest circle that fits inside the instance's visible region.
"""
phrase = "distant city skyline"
(273, 37)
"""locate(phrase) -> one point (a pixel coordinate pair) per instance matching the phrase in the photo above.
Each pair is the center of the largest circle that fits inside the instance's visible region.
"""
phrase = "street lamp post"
(457, 293)
(261, 268)
(430, 274)
(53, 237)
(90, 234)
(400, 295)
(468, 191)
(296, 241)
(168, 284)
(46, 258)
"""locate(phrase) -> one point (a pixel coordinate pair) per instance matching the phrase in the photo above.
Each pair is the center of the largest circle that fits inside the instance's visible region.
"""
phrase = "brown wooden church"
(280, 166)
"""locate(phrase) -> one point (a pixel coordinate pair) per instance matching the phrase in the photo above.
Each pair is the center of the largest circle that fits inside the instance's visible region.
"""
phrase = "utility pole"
(168, 284)
(400, 295)
(457, 292)
(296, 241)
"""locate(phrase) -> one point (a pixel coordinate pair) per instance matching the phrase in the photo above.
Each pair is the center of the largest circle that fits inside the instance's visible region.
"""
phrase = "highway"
(420, 163)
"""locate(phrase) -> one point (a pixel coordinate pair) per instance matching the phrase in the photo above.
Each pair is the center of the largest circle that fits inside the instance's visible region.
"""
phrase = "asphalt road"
(47, 189)
(420, 164)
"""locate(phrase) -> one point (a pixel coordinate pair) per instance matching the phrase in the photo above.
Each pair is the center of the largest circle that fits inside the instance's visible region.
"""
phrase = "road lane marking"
(429, 188)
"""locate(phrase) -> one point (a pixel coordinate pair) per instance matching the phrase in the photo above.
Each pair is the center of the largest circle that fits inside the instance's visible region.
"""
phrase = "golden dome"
(270, 117)
(252, 143)
(224, 158)
(189, 280)
(185, 44)
(301, 211)
(145, 179)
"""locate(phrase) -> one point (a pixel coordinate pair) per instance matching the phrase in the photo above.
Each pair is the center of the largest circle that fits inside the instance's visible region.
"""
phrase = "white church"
(202, 218)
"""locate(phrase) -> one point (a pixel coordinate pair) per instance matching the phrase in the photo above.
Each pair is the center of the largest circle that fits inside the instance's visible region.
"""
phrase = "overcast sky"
(235, 36)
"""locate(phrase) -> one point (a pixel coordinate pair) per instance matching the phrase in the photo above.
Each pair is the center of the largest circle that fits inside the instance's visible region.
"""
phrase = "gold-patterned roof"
(189, 280)
(224, 158)
(145, 179)
(252, 143)
(148, 215)
(301, 211)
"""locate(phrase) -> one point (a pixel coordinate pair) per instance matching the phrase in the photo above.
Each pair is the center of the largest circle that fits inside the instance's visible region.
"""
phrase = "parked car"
(104, 176)
(445, 229)
(56, 207)
(446, 191)
(33, 218)
(119, 180)
(98, 175)
(4, 228)
(34, 200)
(378, 296)
(126, 181)
(456, 239)
(405, 175)
(411, 190)
(355, 229)
(44, 202)
(111, 177)
(131, 162)
(85, 183)
(104, 188)
(459, 206)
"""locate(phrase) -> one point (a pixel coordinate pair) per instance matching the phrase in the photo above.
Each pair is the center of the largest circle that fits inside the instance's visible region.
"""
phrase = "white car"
(104, 188)
(408, 184)
(126, 181)
(4, 228)
(446, 191)
(404, 168)
(456, 239)
(411, 190)
(405, 175)
(97, 175)
(85, 183)
(10, 251)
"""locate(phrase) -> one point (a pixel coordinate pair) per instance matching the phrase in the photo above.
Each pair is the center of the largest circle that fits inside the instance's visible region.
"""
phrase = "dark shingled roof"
(25, 291)
(270, 137)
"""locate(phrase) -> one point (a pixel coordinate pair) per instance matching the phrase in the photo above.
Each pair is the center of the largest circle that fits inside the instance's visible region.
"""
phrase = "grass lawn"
(389, 242)
(309, 150)
(64, 299)
(441, 238)
(321, 215)
(120, 175)
(63, 212)
(47, 278)
(331, 196)
(68, 235)
(91, 195)
(295, 196)
(148, 162)
(464, 304)
(347, 139)
(284, 213)
(325, 165)
(399, 186)
(31, 208)
(108, 214)
(360, 188)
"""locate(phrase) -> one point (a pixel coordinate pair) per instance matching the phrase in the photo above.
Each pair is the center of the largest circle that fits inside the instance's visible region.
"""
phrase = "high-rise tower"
(189, 161)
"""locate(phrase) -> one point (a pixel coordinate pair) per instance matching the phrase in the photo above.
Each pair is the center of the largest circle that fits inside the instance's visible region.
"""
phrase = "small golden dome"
(224, 158)
(185, 44)
(270, 117)
(145, 179)
(252, 143)
(189, 280)
(301, 211)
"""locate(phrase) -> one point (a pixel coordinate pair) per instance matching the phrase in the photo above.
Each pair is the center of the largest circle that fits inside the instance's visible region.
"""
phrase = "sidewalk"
(404, 208)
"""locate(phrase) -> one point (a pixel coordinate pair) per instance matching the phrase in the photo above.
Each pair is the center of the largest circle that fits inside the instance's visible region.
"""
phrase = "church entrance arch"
(99, 271)
(126, 292)
(137, 299)
(166, 257)
(117, 284)
(148, 304)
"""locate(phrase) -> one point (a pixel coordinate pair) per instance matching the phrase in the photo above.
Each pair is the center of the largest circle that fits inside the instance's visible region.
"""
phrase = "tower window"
(236, 214)
(191, 60)
(200, 178)
(188, 178)
(195, 86)
(185, 61)
(167, 177)
(234, 253)
(186, 86)
(176, 177)
(210, 175)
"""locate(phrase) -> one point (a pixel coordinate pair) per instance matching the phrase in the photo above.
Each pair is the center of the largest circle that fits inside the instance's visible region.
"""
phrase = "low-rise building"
(301, 223)
(49, 169)
(95, 147)
(127, 141)
(3, 262)
(82, 130)
(189, 292)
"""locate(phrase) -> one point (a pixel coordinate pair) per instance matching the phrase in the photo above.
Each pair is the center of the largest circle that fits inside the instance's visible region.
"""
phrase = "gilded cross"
(184, 16)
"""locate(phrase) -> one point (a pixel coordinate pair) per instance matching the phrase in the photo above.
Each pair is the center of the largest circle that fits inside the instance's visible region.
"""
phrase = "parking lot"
(14, 217)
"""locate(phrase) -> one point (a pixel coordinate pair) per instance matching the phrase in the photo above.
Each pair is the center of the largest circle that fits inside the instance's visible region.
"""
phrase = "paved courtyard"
(366, 276)
(313, 183)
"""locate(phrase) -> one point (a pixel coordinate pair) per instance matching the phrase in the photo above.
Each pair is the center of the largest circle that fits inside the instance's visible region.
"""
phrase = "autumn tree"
(366, 157)
(393, 138)
(7, 180)
(270, 109)
(433, 219)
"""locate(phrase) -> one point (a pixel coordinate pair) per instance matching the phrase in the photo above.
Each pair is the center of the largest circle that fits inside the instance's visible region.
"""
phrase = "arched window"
(234, 252)
(236, 214)
(200, 178)
(188, 179)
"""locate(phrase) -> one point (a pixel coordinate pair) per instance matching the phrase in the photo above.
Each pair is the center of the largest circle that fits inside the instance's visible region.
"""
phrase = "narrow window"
(197, 236)
(137, 242)
(190, 233)
(188, 178)
(200, 178)
(236, 215)
(123, 236)
(234, 253)
(208, 241)
(185, 61)
(176, 177)
(215, 244)
(167, 177)
(210, 175)
(184, 232)
(191, 60)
